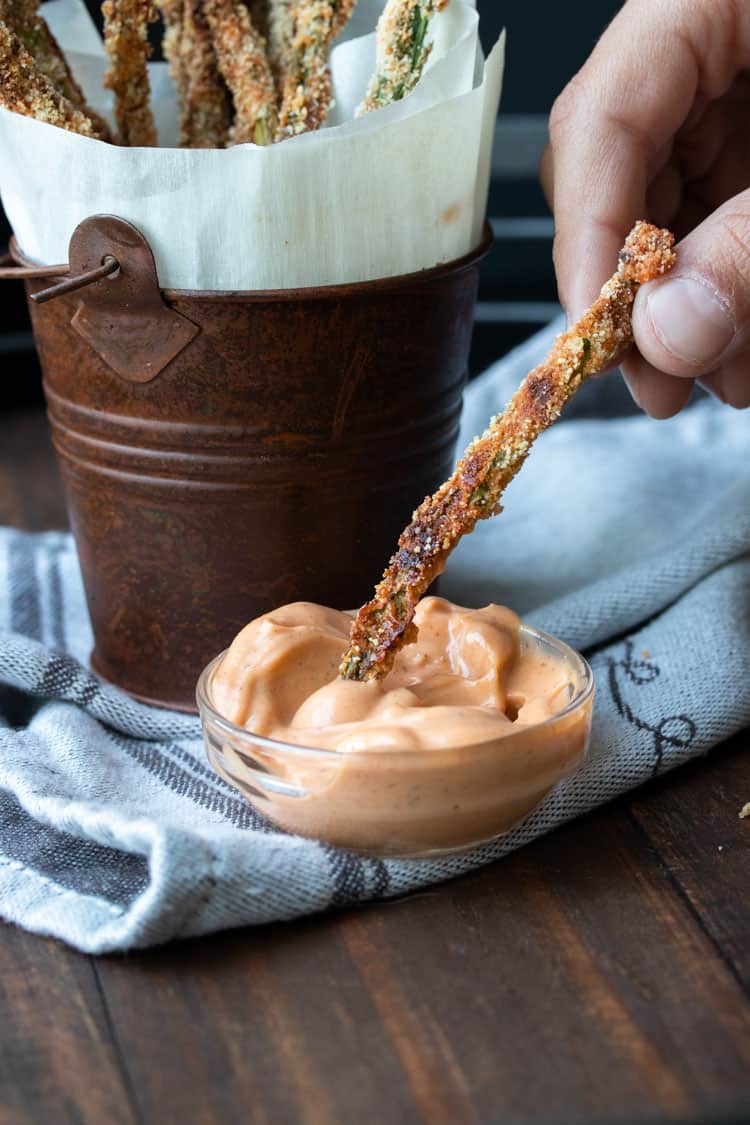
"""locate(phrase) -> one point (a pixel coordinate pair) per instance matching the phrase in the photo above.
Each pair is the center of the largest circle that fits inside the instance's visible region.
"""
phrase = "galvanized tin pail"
(223, 453)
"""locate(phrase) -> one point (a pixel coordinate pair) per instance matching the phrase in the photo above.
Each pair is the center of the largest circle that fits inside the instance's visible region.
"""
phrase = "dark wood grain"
(57, 1059)
(600, 974)
(692, 818)
(569, 978)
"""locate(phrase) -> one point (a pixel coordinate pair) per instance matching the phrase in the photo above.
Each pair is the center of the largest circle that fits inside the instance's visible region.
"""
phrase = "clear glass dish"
(407, 803)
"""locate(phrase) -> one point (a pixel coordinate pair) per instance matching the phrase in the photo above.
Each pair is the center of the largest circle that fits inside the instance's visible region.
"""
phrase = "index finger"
(613, 120)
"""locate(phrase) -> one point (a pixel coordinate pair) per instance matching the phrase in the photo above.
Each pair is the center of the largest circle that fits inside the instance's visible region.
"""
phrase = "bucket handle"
(109, 265)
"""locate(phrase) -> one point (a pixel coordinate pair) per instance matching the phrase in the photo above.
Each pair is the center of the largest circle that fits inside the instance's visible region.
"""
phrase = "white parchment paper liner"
(396, 191)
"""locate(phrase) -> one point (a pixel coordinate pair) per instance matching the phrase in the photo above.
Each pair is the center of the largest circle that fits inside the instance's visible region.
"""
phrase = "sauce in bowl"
(477, 721)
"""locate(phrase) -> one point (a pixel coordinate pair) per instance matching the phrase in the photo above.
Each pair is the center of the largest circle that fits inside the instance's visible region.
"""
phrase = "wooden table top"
(601, 974)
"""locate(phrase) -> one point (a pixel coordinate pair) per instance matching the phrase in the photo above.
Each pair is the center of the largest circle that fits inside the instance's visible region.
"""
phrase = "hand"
(656, 125)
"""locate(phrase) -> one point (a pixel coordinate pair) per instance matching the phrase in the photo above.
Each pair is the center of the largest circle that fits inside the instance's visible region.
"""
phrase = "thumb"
(691, 321)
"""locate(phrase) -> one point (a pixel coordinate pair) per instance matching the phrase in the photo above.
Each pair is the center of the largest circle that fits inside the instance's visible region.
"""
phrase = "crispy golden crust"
(126, 43)
(24, 19)
(44, 49)
(172, 14)
(279, 36)
(302, 36)
(243, 64)
(401, 51)
(476, 487)
(24, 89)
(205, 105)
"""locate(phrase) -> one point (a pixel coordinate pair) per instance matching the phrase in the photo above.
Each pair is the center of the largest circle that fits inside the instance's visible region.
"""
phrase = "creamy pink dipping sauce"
(453, 747)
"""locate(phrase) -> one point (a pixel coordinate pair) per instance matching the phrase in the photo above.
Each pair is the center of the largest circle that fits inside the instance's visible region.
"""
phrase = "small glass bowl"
(407, 803)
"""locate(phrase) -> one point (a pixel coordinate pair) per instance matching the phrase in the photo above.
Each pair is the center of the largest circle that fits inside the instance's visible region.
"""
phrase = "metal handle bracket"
(121, 312)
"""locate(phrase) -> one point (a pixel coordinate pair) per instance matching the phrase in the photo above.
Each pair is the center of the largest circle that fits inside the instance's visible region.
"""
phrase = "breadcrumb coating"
(302, 33)
(243, 64)
(476, 487)
(23, 18)
(172, 14)
(126, 43)
(244, 70)
(401, 51)
(24, 89)
(279, 36)
(205, 105)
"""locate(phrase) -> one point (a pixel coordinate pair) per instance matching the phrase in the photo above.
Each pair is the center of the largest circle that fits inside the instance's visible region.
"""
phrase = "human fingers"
(697, 319)
(659, 395)
(731, 383)
(610, 126)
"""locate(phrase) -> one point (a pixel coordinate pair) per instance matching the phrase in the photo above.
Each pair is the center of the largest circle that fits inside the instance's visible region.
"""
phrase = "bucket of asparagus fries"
(251, 272)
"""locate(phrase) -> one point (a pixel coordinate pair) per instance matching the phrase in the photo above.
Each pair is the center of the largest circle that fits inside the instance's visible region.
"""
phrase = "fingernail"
(690, 320)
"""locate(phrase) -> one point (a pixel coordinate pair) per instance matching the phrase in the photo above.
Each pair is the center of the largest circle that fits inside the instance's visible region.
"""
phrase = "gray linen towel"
(115, 834)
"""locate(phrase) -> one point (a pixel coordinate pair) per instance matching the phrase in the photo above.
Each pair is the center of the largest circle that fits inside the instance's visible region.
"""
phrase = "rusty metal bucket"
(223, 453)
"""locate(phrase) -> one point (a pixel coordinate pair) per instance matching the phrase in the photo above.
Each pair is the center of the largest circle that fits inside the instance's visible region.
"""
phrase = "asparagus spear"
(402, 51)
(24, 89)
(476, 487)
(126, 43)
(301, 35)
(173, 14)
(23, 18)
(205, 110)
(243, 64)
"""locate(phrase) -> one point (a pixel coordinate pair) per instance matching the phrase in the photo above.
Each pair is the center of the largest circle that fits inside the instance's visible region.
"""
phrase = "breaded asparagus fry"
(279, 36)
(24, 89)
(44, 49)
(476, 487)
(172, 13)
(126, 43)
(22, 17)
(243, 64)
(304, 31)
(401, 51)
(205, 105)
(280, 25)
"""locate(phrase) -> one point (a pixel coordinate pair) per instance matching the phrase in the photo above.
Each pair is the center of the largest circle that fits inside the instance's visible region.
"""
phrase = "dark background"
(547, 43)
